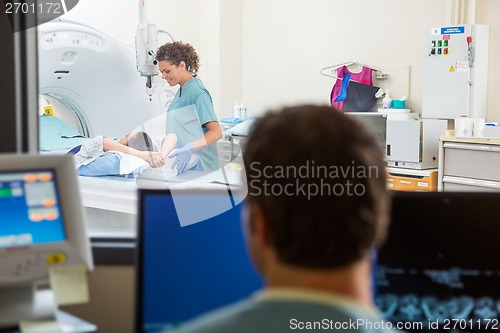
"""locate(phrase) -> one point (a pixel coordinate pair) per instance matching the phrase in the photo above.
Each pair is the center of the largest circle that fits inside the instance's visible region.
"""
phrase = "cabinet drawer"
(451, 183)
(412, 183)
(466, 188)
(472, 161)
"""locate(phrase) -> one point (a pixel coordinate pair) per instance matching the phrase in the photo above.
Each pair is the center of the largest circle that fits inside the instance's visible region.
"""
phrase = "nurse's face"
(172, 73)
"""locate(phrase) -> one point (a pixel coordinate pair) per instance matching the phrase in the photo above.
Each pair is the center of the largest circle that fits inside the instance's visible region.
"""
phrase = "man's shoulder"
(280, 316)
(220, 321)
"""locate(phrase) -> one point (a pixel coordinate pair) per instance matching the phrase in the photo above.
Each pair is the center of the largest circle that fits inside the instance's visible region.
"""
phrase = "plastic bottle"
(243, 110)
(236, 110)
(386, 101)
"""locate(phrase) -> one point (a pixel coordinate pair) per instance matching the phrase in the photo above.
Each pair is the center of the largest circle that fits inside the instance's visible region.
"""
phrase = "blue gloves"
(183, 156)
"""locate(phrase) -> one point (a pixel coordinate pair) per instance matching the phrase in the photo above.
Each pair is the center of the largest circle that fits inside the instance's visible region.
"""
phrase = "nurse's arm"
(213, 135)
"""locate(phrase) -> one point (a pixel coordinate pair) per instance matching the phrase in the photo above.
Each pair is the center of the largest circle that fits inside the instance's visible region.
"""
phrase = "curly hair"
(176, 52)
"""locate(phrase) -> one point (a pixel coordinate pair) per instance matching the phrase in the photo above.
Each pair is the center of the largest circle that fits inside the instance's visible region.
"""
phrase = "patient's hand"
(155, 159)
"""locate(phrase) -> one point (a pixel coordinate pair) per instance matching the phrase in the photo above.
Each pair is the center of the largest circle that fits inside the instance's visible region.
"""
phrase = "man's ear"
(182, 65)
(258, 224)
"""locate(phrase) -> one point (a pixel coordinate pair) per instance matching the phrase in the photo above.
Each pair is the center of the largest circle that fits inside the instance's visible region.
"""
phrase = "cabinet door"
(446, 75)
(475, 161)
(376, 122)
(403, 140)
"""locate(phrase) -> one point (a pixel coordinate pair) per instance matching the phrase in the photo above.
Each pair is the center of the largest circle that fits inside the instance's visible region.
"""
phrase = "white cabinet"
(408, 141)
(377, 122)
(455, 74)
(469, 165)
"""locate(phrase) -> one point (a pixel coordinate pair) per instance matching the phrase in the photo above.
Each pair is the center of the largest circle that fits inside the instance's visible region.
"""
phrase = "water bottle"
(236, 110)
(243, 110)
(386, 101)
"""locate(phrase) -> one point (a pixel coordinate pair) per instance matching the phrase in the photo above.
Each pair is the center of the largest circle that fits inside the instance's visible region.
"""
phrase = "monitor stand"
(26, 303)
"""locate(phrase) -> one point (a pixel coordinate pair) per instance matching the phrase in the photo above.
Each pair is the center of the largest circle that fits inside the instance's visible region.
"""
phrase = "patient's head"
(138, 140)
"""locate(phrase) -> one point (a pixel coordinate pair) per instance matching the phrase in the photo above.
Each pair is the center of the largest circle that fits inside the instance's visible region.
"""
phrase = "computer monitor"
(187, 266)
(439, 269)
(42, 226)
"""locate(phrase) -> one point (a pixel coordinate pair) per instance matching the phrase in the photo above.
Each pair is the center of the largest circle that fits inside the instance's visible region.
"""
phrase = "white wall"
(285, 46)
(270, 52)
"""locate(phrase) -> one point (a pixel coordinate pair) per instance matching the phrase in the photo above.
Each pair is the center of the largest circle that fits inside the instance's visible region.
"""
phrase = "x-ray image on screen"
(439, 267)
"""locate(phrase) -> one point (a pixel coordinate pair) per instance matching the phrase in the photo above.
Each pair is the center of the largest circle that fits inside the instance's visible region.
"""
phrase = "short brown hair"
(317, 230)
(176, 52)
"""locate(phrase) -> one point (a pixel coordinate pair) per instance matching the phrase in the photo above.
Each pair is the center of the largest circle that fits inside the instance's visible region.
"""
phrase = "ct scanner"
(93, 78)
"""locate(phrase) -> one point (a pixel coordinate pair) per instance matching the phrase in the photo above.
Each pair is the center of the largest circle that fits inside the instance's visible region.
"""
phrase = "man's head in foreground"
(317, 199)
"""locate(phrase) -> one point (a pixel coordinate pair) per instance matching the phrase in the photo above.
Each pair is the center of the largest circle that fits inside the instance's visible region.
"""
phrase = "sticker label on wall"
(452, 30)
(452, 69)
(461, 66)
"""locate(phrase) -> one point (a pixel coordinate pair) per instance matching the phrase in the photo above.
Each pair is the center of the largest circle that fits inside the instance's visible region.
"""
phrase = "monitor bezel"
(76, 247)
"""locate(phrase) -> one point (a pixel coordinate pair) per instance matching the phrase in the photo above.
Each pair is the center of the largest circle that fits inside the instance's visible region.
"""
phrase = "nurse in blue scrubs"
(191, 114)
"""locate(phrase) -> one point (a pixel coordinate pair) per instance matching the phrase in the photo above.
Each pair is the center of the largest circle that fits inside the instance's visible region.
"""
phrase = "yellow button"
(56, 258)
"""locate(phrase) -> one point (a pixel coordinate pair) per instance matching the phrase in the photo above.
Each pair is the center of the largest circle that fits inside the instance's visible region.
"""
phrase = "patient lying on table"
(102, 156)
(138, 144)
(130, 155)
(133, 154)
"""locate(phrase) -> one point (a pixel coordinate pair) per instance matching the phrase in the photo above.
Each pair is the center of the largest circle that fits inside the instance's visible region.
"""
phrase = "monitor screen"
(30, 206)
(185, 270)
(439, 269)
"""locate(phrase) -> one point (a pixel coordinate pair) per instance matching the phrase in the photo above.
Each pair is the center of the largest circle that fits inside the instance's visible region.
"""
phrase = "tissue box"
(492, 132)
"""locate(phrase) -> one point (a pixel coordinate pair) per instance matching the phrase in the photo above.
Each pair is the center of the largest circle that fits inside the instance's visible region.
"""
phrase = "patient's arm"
(168, 144)
(153, 158)
(156, 159)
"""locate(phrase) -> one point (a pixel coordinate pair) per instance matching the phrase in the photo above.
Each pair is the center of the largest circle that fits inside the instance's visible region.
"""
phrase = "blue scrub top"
(193, 101)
